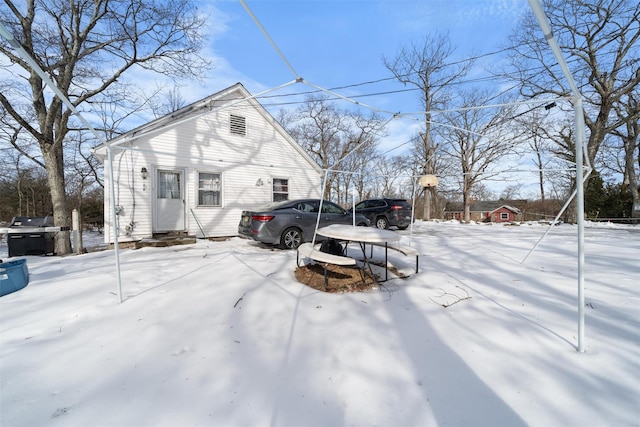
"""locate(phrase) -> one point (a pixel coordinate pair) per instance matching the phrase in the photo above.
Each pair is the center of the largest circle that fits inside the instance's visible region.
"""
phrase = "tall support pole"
(114, 220)
(536, 7)
(579, 119)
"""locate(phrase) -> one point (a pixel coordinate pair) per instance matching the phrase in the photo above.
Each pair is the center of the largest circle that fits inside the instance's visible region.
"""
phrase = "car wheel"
(291, 238)
(382, 222)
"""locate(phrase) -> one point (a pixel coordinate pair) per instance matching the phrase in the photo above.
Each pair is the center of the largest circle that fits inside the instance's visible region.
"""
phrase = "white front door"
(170, 203)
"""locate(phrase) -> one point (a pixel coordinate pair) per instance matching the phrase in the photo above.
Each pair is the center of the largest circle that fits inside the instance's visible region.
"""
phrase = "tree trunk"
(426, 211)
(53, 159)
(466, 199)
(630, 160)
(428, 166)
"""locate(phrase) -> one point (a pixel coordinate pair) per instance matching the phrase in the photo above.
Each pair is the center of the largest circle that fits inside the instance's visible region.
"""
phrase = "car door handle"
(298, 217)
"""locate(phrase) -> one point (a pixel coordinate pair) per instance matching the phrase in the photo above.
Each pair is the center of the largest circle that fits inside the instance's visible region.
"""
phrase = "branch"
(18, 118)
(239, 299)
(457, 298)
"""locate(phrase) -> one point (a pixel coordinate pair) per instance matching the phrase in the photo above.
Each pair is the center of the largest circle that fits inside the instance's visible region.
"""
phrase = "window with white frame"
(504, 215)
(280, 189)
(209, 186)
(237, 125)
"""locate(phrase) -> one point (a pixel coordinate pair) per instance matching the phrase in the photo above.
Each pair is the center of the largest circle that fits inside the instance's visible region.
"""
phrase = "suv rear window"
(402, 203)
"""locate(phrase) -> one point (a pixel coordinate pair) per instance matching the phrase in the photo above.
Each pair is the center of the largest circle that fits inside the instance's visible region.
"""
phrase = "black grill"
(31, 236)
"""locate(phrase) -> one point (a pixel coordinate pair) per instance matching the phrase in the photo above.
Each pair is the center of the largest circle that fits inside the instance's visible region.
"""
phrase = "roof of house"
(482, 206)
(223, 99)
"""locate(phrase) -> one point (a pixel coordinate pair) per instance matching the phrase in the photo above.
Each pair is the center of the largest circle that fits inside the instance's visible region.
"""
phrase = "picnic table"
(362, 236)
(368, 235)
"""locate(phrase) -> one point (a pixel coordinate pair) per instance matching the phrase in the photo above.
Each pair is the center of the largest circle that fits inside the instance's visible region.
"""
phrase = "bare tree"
(480, 191)
(629, 135)
(600, 39)
(166, 101)
(424, 66)
(329, 135)
(477, 140)
(358, 173)
(511, 192)
(390, 172)
(86, 47)
(85, 169)
(535, 129)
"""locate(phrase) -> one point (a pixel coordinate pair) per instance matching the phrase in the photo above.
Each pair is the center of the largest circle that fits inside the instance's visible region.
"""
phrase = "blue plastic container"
(14, 275)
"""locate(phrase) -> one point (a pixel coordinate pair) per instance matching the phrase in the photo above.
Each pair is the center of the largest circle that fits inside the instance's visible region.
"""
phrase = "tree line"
(468, 133)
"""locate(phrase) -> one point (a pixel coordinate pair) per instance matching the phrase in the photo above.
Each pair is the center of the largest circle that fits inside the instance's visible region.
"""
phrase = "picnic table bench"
(308, 250)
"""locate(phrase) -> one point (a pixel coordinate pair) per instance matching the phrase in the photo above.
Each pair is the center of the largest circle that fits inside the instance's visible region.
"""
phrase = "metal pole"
(580, 137)
(324, 182)
(114, 220)
(579, 117)
(353, 205)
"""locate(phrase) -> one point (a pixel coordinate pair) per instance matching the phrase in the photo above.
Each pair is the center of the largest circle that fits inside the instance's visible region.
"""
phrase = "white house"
(195, 170)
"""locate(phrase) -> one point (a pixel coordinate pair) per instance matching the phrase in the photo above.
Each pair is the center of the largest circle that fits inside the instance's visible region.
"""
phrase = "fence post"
(77, 231)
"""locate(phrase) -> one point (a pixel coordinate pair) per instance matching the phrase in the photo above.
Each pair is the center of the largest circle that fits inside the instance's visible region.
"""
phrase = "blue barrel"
(14, 275)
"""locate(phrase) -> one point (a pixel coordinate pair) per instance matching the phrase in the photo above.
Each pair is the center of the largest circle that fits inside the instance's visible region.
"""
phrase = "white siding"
(206, 145)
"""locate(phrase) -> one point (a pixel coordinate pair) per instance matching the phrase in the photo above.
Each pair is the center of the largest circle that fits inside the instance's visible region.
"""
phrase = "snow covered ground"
(221, 333)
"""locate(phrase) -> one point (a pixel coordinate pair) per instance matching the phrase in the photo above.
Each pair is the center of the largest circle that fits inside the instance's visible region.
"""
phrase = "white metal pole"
(324, 182)
(579, 140)
(114, 220)
(353, 204)
(580, 133)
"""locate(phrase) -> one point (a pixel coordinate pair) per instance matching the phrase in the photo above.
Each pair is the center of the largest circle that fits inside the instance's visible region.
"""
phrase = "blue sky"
(338, 43)
(341, 44)
(335, 43)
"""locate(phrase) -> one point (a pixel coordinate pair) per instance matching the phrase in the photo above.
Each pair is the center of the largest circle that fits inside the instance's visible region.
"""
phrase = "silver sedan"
(291, 222)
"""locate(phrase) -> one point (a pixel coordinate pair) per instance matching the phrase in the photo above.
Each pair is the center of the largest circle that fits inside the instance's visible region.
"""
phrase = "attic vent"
(237, 125)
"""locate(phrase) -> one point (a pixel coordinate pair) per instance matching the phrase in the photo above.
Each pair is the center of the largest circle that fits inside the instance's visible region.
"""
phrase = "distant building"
(498, 211)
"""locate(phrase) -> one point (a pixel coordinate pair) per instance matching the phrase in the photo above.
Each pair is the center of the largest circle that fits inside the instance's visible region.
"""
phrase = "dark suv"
(384, 213)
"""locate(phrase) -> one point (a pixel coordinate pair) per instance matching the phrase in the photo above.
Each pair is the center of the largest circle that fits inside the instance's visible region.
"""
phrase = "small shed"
(195, 170)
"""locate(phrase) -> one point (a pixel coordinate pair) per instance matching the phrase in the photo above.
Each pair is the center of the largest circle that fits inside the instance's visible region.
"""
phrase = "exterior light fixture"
(143, 173)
